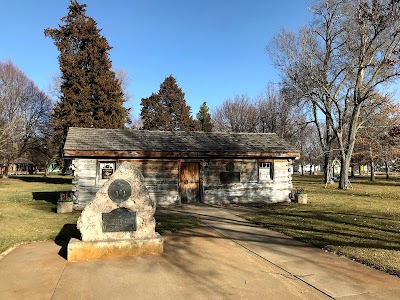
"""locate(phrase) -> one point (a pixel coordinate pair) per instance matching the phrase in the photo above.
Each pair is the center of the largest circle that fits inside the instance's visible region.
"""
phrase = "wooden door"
(189, 182)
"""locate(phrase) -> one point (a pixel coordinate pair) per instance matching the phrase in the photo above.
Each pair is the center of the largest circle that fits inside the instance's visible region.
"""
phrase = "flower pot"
(300, 198)
(65, 207)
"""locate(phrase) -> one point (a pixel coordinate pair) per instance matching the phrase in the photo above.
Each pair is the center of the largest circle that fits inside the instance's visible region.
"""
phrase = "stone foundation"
(64, 207)
(301, 198)
(79, 250)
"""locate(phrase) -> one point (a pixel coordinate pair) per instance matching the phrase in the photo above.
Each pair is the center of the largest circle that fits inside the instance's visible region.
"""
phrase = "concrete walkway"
(226, 259)
(337, 277)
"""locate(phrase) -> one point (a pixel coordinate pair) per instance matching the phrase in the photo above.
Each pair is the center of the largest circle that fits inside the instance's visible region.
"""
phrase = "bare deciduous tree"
(236, 115)
(272, 111)
(125, 81)
(279, 112)
(338, 63)
(24, 114)
(374, 140)
(310, 151)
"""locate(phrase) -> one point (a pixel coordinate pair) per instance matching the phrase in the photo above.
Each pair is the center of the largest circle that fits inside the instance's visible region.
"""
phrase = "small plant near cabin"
(65, 197)
(300, 190)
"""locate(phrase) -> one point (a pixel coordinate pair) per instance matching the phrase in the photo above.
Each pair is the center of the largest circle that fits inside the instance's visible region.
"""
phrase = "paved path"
(337, 277)
(227, 259)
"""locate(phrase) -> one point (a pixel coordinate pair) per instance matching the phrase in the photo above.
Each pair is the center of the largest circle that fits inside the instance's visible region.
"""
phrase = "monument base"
(79, 250)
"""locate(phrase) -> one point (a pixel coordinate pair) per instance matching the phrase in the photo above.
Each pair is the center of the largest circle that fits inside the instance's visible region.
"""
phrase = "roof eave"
(158, 154)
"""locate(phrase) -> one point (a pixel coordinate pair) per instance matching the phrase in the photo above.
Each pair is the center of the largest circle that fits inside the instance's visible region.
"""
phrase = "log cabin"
(184, 167)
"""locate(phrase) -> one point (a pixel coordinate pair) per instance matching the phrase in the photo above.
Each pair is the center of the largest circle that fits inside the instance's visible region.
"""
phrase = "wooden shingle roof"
(23, 161)
(86, 142)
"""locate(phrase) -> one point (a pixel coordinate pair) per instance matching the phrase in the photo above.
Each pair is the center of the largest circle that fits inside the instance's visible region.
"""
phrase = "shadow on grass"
(62, 239)
(323, 228)
(51, 197)
(380, 182)
(54, 180)
(167, 222)
(317, 179)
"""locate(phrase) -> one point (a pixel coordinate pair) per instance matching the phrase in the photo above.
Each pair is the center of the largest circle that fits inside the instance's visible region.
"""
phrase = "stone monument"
(119, 221)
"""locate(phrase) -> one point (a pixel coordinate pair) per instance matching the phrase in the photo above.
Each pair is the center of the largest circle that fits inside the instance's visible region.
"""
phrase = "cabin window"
(107, 168)
(265, 171)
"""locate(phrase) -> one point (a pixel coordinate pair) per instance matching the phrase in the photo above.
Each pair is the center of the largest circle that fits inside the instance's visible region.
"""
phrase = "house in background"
(307, 168)
(184, 167)
(20, 166)
(53, 168)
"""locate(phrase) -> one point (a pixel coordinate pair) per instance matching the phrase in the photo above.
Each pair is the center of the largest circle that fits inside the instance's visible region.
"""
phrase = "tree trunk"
(387, 169)
(344, 172)
(5, 175)
(352, 171)
(327, 167)
(371, 164)
(47, 167)
(348, 151)
(329, 172)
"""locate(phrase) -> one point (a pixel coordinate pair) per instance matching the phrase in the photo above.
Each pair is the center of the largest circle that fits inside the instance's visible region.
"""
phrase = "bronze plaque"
(119, 219)
(229, 177)
(119, 190)
(230, 167)
(106, 173)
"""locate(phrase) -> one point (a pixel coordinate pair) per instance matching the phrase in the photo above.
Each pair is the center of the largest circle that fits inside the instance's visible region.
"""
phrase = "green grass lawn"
(28, 212)
(28, 209)
(362, 223)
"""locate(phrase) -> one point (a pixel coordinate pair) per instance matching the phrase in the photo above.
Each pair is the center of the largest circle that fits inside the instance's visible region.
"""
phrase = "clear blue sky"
(214, 48)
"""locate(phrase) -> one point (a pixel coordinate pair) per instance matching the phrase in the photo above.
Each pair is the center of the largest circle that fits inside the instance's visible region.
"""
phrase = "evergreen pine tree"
(167, 110)
(155, 116)
(91, 95)
(204, 118)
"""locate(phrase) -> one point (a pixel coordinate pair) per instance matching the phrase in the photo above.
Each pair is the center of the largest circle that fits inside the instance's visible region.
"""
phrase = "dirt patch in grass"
(362, 223)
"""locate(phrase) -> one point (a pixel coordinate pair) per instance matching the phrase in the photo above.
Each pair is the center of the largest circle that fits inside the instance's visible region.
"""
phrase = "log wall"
(85, 182)
(161, 177)
(250, 189)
